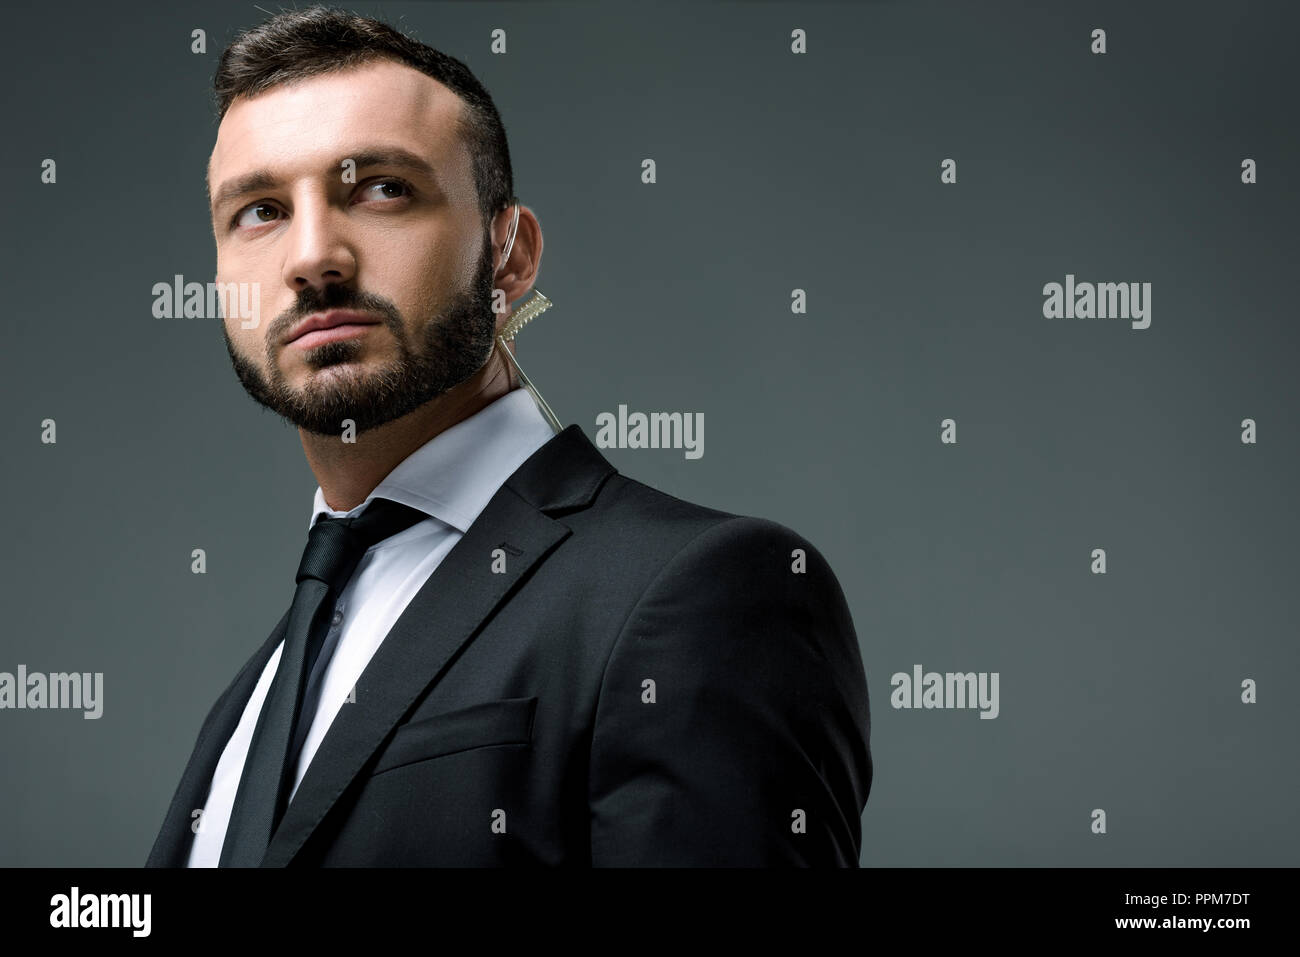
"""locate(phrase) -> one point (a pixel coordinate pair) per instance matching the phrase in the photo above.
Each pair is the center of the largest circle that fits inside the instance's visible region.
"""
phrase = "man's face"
(403, 244)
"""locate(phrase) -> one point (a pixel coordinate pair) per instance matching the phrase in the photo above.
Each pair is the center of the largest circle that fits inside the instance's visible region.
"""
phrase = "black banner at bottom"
(339, 908)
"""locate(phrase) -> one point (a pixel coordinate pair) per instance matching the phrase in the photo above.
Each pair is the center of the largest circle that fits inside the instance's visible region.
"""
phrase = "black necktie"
(334, 549)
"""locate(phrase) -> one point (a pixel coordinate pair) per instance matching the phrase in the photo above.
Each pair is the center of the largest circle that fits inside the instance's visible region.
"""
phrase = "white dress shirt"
(451, 478)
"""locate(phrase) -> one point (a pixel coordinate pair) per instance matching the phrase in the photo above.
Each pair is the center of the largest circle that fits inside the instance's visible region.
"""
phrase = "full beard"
(451, 347)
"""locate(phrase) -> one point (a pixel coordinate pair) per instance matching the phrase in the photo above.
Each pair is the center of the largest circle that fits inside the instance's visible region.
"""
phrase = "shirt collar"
(454, 475)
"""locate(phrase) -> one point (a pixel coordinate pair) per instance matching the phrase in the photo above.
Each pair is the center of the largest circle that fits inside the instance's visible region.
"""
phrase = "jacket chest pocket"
(505, 721)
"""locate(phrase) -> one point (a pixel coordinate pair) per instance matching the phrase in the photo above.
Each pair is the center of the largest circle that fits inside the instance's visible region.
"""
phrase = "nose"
(318, 251)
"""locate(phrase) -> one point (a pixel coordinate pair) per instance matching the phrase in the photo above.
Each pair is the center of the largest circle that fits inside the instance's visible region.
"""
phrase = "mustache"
(312, 300)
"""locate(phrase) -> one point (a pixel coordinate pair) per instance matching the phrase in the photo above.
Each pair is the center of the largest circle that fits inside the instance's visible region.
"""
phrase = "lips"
(330, 320)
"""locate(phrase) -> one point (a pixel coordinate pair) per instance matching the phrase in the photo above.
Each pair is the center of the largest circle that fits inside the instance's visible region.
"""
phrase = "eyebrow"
(261, 180)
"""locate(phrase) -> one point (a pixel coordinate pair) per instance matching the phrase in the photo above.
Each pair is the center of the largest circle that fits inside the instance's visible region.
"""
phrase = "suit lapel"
(171, 848)
(444, 615)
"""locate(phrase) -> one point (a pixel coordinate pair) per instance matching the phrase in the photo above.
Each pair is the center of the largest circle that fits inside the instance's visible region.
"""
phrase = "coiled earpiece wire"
(534, 306)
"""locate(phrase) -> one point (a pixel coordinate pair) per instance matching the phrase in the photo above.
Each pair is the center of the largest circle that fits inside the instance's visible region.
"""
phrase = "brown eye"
(242, 218)
(386, 184)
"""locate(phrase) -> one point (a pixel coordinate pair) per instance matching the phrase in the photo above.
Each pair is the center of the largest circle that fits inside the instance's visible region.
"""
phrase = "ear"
(515, 275)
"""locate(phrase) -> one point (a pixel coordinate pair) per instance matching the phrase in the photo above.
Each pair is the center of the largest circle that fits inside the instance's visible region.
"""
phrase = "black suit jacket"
(649, 682)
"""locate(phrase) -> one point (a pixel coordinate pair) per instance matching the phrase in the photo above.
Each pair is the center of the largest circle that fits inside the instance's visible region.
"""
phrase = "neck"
(348, 472)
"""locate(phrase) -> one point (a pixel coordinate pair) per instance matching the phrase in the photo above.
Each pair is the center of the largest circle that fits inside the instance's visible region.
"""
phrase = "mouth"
(323, 327)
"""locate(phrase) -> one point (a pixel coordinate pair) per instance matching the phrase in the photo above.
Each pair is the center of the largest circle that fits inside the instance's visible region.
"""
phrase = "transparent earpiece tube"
(531, 309)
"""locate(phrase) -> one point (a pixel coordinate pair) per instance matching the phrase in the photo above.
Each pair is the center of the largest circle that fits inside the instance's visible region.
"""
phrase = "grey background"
(775, 171)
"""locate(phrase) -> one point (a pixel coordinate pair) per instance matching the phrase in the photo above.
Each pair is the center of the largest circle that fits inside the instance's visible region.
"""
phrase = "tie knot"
(335, 545)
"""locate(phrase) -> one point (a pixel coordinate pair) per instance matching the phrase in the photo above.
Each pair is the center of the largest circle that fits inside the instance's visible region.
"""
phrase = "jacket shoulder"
(647, 527)
(660, 521)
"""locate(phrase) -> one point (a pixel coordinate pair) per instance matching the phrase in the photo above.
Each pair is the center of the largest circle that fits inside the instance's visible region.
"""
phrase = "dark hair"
(296, 44)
